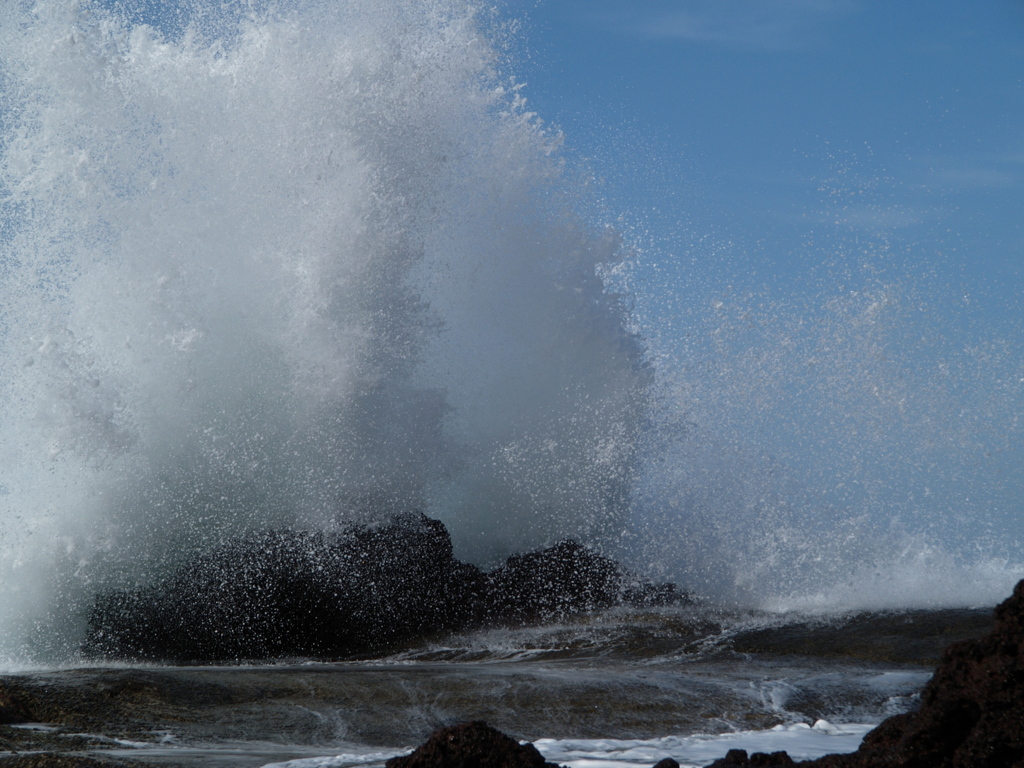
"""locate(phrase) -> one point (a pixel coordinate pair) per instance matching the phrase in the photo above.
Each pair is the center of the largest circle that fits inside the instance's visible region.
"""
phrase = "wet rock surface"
(57, 760)
(361, 591)
(29, 746)
(898, 636)
(12, 709)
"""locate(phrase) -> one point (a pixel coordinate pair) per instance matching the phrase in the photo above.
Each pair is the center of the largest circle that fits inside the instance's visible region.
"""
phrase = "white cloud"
(974, 178)
(971, 172)
(876, 219)
(759, 24)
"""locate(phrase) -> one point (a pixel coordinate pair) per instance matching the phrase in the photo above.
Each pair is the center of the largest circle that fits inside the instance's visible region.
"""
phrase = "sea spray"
(853, 445)
(288, 269)
(265, 268)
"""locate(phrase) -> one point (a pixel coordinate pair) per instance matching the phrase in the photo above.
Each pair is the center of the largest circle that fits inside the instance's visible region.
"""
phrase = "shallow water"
(619, 688)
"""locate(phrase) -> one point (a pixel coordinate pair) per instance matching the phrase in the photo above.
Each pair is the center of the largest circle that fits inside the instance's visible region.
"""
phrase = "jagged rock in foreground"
(738, 758)
(971, 714)
(363, 590)
(471, 745)
(477, 745)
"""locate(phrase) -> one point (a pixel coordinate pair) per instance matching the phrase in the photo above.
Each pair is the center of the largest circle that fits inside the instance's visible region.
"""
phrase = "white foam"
(343, 760)
(801, 741)
(270, 268)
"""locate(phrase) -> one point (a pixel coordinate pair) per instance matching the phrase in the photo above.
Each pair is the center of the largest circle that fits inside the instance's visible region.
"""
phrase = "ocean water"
(623, 687)
(300, 264)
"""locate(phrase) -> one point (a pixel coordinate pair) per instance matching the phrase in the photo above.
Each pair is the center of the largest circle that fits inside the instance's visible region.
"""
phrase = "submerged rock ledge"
(362, 591)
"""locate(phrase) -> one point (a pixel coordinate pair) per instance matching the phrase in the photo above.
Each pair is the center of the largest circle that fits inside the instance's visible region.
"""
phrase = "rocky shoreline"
(970, 713)
(362, 591)
(971, 716)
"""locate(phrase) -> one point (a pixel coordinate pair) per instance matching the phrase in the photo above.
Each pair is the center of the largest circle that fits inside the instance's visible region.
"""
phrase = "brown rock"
(12, 710)
(737, 758)
(471, 745)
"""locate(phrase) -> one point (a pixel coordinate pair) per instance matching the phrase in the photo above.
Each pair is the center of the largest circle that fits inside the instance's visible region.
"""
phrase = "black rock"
(737, 758)
(288, 593)
(564, 579)
(471, 745)
(364, 590)
(644, 594)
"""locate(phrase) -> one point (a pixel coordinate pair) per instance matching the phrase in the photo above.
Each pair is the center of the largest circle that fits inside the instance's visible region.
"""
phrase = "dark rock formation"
(365, 590)
(567, 578)
(737, 758)
(288, 593)
(471, 745)
(971, 714)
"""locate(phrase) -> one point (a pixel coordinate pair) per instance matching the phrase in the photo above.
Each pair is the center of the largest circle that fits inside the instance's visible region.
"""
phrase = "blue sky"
(761, 138)
(784, 165)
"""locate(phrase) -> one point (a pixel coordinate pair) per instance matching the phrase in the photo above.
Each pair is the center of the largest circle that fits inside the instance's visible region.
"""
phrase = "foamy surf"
(801, 741)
